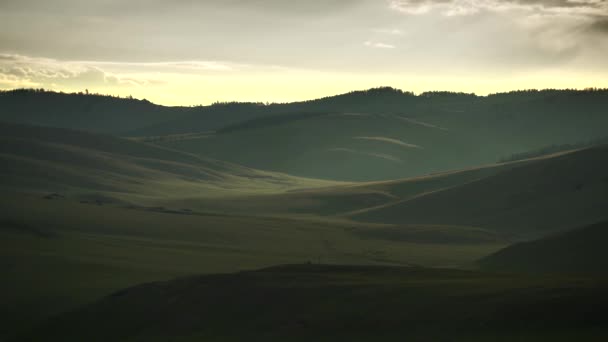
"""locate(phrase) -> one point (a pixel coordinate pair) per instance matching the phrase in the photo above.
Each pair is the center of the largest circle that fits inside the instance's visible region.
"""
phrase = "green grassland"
(84, 215)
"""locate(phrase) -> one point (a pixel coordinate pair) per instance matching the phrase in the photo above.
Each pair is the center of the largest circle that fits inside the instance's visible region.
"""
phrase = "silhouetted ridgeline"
(129, 116)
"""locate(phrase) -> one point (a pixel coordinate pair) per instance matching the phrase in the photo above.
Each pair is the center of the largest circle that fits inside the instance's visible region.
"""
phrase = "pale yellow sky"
(187, 52)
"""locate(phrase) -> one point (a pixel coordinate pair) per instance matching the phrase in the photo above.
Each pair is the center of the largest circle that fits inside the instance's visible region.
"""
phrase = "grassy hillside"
(517, 201)
(88, 214)
(341, 201)
(580, 251)
(520, 200)
(530, 200)
(76, 163)
(339, 303)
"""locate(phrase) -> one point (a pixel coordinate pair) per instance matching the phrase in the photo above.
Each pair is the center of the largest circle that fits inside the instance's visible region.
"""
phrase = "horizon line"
(85, 92)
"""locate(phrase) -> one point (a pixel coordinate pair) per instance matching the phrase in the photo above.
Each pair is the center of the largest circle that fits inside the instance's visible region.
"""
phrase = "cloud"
(25, 71)
(599, 26)
(379, 45)
(121, 7)
(394, 32)
(468, 7)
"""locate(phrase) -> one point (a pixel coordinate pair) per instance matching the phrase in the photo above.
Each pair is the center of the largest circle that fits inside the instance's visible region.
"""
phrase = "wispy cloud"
(379, 45)
(468, 7)
(25, 71)
(388, 31)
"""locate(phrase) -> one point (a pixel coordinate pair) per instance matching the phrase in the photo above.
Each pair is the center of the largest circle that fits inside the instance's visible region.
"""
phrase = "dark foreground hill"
(580, 251)
(57, 253)
(340, 303)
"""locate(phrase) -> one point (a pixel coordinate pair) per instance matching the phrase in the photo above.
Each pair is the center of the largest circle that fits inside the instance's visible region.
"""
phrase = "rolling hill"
(87, 214)
(578, 251)
(531, 200)
(378, 134)
(44, 159)
(415, 136)
(521, 200)
(517, 201)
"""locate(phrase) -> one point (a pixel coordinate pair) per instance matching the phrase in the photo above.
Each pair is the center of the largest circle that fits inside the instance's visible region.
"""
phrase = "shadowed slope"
(580, 251)
(535, 198)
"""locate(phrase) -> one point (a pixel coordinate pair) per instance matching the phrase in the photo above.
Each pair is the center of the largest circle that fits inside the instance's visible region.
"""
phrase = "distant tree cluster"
(86, 92)
(236, 103)
(435, 94)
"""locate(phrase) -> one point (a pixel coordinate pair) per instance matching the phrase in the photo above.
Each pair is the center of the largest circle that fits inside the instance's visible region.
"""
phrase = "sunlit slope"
(410, 137)
(580, 251)
(342, 201)
(66, 161)
(533, 199)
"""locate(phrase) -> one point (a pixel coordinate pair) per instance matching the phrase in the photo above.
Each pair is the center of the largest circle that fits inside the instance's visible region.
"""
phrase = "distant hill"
(384, 134)
(114, 115)
(94, 113)
(580, 251)
(377, 134)
(531, 200)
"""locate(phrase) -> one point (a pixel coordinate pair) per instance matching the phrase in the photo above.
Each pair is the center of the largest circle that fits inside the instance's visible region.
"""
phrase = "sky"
(187, 52)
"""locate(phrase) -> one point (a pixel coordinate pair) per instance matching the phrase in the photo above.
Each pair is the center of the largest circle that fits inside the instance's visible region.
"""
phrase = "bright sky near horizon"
(196, 52)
